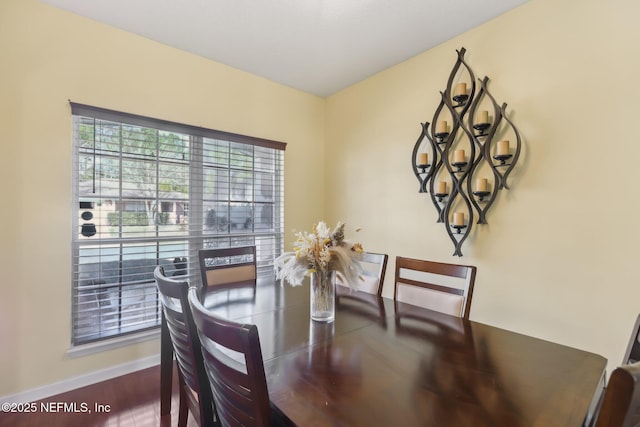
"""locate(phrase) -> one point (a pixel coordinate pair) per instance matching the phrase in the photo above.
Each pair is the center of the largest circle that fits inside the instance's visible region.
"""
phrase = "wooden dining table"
(382, 363)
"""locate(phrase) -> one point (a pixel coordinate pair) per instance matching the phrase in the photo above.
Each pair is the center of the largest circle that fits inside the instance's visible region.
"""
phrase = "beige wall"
(557, 260)
(48, 57)
(559, 257)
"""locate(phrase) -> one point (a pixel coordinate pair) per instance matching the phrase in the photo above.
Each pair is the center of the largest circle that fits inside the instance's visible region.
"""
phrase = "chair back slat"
(228, 275)
(444, 302)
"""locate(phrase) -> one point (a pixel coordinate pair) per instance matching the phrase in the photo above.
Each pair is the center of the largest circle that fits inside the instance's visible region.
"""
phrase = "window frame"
(199, 234)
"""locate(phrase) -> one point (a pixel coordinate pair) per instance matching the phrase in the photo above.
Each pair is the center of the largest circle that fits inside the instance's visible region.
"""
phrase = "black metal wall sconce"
(466, 148)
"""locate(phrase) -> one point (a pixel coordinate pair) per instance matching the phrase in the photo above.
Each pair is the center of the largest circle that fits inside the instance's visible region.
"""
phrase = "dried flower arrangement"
(322, 250)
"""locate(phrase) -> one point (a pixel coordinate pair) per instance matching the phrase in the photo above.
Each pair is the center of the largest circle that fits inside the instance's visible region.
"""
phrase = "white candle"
(458, 156)
(460, 89)
(481, 184)
(442, 187)
(458, 218)
(441, 127)
(503, 148)
(424, 159)
(483, 117)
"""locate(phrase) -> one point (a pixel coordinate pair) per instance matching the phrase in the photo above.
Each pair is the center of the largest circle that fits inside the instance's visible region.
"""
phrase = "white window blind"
(149, 192)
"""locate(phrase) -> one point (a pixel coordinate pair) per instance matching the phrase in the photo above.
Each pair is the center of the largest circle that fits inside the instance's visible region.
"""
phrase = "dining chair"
(368, 299)
(631, 355)
(621, 403)
(233, 362)
(374, 267)
(228, 266)
(437, 286)
(195, 391)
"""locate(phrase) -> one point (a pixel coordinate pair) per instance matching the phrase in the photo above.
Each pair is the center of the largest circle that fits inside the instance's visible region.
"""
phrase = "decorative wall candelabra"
(466, 159)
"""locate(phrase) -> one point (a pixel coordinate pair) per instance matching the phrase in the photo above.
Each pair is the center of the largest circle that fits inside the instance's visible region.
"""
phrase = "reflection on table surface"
(381, 363)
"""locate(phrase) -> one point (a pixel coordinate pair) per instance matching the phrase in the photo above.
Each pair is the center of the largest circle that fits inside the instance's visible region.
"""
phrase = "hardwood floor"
(129, 400)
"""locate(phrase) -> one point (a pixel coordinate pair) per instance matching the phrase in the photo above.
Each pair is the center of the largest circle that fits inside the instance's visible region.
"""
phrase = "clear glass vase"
(322, 298)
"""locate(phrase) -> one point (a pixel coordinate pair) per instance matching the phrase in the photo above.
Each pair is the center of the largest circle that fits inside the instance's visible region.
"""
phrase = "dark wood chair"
(234, 365)
(195, 391)
(437, 286)
(368, 300)
(632, 353)
(621, 403)
(228, 266)
(374, 267)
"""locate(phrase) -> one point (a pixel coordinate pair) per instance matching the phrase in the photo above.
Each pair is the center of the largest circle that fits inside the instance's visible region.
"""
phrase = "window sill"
(100, 346)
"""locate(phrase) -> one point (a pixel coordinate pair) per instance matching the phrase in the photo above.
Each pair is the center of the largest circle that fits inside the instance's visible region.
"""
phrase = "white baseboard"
(81, 381)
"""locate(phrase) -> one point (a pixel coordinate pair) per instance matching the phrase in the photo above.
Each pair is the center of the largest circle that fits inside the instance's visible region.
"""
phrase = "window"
(150, 192)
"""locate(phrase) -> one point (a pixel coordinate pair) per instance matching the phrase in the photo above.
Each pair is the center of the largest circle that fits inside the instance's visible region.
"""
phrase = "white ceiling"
(317, 46)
